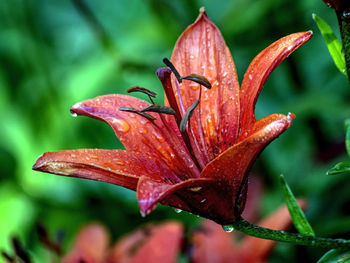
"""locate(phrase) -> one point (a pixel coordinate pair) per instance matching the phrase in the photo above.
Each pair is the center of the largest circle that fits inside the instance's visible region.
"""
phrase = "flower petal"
(259, 70)
(153, 243)
(90, 245)
(205, 197)
(212, 244)
(112, 166)
(137, 133)
(201, 50)
(233, 165)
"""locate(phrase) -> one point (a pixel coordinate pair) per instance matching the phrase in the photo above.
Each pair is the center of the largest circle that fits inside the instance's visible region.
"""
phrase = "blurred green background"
(56, 53)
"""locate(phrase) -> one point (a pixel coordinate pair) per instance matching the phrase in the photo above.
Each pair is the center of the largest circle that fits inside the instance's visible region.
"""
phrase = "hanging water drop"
(121, 125)
(73, 114)
(177, 210)
(228, 228)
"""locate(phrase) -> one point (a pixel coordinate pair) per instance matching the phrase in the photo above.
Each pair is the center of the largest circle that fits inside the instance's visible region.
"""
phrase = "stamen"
(143, 114)
(198, 79)
(143, 90)
(173, 69)
(159, 109)
(188, 115)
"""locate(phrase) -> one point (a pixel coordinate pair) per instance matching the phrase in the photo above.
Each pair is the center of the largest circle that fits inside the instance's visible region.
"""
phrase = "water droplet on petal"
(122, 125)
(196, 189)
(228, 228)
(118, 162)
(142, 131)
(73, 114)
(177, 210)
(159, 137)
(194, 86)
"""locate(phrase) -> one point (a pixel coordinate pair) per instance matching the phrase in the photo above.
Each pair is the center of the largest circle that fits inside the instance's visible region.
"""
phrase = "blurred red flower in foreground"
(153, 243)
(202, 166)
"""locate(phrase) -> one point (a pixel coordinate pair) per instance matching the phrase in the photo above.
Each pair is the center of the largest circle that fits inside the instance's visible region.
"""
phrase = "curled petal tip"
(291, 116)
(76, 106)
(38, 163)
(202, 10)
(308, 35)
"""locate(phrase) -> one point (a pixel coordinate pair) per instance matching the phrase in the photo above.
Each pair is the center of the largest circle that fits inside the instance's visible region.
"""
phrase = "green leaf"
(299, 220)
(335, 256)
(333, 44)
(347, 136)
(340, 168)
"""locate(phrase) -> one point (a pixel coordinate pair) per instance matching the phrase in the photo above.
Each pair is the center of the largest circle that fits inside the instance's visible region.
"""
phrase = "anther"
(173, 69)
(143, 114)
(159, 109)
(188, 115)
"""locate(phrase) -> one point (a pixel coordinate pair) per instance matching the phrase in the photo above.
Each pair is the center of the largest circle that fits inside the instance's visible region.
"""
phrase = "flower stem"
(278, 235)
(344, 25)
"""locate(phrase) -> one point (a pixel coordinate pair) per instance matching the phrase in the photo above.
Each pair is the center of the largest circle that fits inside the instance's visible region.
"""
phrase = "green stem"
(344, 25)
(278, 235)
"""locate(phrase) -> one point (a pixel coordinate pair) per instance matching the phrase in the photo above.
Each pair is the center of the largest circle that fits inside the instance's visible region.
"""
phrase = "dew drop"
(142, 131)
(118, 162)
(73, 114)
(160, 137)
(194, 86)
(122, 125)
(196, 189)
(177, 210)
(228, 228)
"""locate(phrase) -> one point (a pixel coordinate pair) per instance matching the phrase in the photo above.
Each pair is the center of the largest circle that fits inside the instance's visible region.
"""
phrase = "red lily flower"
(201, 167)
(91, 245)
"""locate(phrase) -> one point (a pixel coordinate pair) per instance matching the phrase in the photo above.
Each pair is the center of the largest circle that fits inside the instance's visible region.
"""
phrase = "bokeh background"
(56, 53)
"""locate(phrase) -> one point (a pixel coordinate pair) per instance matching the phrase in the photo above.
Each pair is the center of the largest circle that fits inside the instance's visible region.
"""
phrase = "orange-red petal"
(160, 243)
(90, 245)
(112, 166)
(137, 133)
(233, 165)
(202, 50)
(207, 197)
(259, 70)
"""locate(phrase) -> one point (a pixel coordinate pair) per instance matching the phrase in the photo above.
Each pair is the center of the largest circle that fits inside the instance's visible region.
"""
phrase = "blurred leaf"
(299, 220)
(340, 168)
(334, 255)
(333, 44)
(347, 136)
